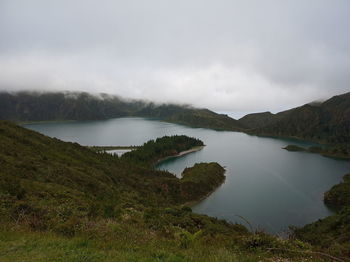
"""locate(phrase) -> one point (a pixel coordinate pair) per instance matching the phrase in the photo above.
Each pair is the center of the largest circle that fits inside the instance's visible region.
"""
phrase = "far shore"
(245, 131)
(44, 122)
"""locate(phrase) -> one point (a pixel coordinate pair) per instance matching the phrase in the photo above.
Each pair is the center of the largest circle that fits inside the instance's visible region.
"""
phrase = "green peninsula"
(201, 180)
(341, 151)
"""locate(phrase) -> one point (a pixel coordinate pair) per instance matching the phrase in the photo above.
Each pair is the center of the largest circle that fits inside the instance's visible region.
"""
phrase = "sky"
(225, 55)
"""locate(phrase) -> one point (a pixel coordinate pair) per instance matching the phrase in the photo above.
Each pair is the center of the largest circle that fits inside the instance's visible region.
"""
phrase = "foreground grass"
(45, 246)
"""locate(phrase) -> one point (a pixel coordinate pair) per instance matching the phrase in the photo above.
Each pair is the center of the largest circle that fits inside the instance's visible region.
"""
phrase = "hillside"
(37, 171)
(32, 106)
(256, 120)
(64, 202)
(327, 122)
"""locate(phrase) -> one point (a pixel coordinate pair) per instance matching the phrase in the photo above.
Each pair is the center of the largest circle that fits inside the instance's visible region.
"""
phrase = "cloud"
(226, 55)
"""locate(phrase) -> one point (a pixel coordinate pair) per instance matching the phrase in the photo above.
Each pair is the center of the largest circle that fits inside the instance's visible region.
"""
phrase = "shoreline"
(109, 148)
(245, 131)
(21, 123)
(182, 153)
(336, 156)
(281, 137)
(196, 202)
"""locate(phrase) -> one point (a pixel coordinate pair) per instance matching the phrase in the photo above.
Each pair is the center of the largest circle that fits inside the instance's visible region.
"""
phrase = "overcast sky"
(227, 55)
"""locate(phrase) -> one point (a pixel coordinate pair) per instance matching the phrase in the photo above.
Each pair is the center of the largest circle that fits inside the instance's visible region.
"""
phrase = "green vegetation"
(201, 179)
(116, 242)
(335, 151)
(257, 120)
(51, 185)
(294, 148)
(31, 107)
(64, 202)
(206, 119)
(331, 234)
(327, 122)
(339, 195)
(154, 150)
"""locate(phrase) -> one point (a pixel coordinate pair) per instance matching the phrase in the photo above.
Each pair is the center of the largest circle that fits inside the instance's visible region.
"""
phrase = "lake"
(266, 185)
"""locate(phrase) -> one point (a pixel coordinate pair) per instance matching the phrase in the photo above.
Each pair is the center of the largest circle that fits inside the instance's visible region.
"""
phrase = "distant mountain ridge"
(325, 122)
(49, 106)
(328, 121)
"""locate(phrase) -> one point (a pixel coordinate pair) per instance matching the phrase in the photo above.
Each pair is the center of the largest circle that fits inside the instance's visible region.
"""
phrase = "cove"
(268, 186)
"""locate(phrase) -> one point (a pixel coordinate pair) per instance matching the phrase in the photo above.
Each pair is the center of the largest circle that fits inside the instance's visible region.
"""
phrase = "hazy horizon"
(228, 56)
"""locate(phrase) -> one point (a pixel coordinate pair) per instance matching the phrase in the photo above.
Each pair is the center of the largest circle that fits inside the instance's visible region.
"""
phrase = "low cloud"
(224, 55)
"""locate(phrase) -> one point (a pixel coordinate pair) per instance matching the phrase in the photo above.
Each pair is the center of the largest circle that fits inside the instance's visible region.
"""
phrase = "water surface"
(268, 186)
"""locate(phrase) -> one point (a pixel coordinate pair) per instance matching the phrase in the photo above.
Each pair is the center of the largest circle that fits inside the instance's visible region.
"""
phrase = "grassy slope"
(74, 182)
(38, 172)
(63, 202)
(45, 246)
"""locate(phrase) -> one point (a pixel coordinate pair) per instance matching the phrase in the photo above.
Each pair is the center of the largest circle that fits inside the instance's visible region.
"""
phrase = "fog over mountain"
(226, 55)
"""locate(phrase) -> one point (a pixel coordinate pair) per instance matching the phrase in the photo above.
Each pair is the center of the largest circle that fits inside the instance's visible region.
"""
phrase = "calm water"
(270, 187)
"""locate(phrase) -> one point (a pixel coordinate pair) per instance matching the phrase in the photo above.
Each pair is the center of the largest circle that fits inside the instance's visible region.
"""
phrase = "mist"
(236, 56)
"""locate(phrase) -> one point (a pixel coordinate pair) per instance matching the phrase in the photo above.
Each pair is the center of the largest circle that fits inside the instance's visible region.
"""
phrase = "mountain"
(327, 122)
(34, 106)
(256, 120)
(189, 116)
